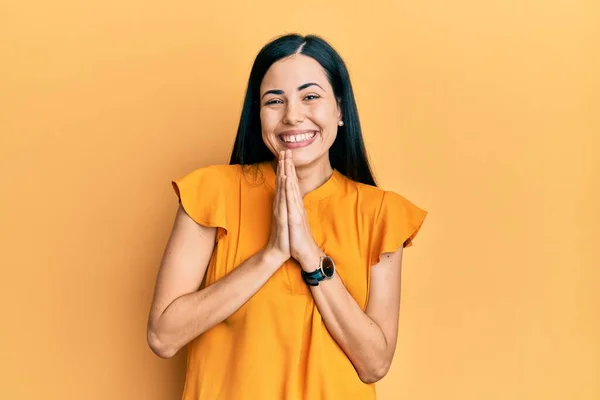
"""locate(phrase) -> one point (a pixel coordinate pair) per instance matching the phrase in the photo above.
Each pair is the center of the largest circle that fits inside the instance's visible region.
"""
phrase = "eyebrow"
(301, 87)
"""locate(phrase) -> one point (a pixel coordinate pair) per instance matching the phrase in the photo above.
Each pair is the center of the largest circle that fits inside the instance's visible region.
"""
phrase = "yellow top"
(276, 346)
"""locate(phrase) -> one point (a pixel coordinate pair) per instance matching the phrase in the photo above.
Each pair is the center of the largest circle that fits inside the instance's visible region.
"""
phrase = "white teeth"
(298, 138)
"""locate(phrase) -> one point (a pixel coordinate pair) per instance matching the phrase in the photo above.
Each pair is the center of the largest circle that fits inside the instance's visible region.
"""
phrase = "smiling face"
(298, 110)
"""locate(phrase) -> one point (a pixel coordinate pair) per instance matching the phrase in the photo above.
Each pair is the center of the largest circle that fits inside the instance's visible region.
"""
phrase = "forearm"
(355, 332)
(193, 314)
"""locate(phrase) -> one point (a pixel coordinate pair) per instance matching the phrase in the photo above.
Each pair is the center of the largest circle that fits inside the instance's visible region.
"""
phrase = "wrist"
(272, 258)
(312, 260)
(324, 271)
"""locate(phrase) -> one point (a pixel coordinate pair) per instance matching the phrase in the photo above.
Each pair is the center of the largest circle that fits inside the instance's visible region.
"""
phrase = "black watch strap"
(325, 270)
(313, 278)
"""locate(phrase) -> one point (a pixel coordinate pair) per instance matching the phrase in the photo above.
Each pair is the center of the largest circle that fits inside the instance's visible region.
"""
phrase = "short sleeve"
(398, 222)
(203, 195)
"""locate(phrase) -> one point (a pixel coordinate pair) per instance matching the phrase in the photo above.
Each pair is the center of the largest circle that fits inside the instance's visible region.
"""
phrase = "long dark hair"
(347, 153)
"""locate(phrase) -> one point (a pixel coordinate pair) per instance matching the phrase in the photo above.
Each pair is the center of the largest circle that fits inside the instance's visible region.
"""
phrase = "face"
(298, 110)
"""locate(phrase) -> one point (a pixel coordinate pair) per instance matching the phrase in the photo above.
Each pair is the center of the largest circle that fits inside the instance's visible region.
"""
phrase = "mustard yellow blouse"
(276, 346)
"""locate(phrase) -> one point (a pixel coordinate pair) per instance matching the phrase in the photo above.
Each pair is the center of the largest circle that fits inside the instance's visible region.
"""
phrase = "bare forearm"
(356, 333)
(193, 314)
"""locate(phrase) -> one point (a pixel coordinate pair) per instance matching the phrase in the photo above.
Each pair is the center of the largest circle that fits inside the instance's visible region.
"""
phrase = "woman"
(283, 268)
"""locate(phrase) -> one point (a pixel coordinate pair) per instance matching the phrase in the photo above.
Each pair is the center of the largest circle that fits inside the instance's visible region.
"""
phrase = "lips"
(297, 137)
(292, 132)
(294, 139)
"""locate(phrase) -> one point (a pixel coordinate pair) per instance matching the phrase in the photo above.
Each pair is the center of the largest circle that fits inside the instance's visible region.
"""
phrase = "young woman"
(282, 272)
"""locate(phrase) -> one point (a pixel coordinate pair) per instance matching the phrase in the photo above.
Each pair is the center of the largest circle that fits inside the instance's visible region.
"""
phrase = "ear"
(339, 106)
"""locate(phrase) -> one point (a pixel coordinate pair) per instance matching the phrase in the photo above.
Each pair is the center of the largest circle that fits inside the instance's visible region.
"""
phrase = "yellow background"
(485, 113)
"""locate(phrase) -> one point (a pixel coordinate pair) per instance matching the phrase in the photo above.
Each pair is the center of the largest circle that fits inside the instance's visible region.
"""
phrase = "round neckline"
(321, 192)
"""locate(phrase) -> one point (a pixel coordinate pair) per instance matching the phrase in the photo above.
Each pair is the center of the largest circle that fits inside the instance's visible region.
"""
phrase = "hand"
(302, 244)
(279, 239)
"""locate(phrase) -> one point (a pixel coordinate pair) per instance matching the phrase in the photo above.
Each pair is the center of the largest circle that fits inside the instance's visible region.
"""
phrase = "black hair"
(347, 153)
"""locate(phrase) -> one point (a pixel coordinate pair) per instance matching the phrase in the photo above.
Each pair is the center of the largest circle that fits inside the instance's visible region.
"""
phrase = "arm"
(180, 312)
(368, 338)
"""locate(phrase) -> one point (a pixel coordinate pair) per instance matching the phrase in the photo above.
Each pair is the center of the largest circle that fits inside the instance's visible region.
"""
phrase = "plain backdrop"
(486, 114)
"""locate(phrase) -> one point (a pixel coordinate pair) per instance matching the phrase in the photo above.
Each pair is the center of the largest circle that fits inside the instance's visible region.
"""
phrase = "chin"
(302, 159)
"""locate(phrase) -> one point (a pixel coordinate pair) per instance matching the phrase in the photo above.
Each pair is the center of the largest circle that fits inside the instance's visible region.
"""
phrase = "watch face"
(328, 267)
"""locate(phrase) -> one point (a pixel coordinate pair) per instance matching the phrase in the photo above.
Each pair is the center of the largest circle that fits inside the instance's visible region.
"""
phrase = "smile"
(303, 137)
(298, 139)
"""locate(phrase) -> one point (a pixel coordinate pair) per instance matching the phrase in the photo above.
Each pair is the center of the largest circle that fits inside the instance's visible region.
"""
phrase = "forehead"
(293, 71)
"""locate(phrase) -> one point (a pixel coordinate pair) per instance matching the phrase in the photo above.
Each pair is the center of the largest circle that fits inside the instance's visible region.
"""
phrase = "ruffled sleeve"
(397, 223)
(203, 195)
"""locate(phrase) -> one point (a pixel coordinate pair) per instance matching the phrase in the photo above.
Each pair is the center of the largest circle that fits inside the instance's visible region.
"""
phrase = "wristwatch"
(326, 270)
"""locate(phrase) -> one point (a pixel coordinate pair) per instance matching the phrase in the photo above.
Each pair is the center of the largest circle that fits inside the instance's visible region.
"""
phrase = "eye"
(312, 97)
(274, 101)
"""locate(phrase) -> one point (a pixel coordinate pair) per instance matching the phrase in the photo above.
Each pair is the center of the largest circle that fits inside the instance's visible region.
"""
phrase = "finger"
(280, 163)
(299, 199)
(280, 170)
(294, 189)
(289, 196)
(283, 204)
(293, 171)
(277, 173)
(293, 207)
(295, 185)
(277, 195)
(297, 194)
(291, 186)
(288, 170)
(282, 186)
(282, 195)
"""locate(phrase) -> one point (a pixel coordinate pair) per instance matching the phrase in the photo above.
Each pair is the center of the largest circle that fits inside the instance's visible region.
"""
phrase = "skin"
(180, 312)
(314, 107)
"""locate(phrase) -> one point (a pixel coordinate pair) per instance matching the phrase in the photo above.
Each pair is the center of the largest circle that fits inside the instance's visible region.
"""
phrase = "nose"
(294, 113)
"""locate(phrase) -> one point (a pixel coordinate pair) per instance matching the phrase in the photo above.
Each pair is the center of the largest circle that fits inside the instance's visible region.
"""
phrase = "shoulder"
(218, 170)
(368, 198)
(205, 195)
(210, 180)
(216, 173)
(372, 200)
(394, 220)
